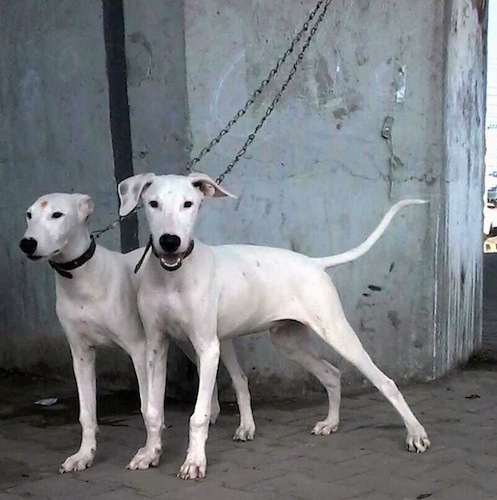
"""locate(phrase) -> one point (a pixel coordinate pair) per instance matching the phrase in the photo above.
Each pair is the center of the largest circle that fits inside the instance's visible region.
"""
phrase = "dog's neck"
(76, 246)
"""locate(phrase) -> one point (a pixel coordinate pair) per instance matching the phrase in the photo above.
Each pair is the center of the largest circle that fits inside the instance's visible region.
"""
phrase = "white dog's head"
(53, 220)
(171, 206)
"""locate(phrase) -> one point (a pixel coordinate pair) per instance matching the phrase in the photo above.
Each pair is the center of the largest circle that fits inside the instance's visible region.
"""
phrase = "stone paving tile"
(61, 486)
(151, 483)
(218, 492)
(393, 485)
(120, 494)
(463, 492)
(298, 485)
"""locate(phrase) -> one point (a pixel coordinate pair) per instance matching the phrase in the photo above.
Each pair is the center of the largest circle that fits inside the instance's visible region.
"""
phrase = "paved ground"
(366, 459)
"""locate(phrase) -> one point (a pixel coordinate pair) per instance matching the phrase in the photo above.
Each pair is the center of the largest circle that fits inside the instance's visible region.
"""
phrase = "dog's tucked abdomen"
(263, 285)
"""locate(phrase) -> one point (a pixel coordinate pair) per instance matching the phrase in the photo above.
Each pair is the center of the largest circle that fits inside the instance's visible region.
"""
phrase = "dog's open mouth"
(170, 262)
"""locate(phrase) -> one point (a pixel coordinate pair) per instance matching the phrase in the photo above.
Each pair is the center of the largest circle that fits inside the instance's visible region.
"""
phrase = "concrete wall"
(157, 85)
(317, 179)
(54, 136)
(459, 245)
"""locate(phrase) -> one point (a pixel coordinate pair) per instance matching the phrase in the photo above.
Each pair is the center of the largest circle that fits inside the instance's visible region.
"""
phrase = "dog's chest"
(168, 311)
(97, 320)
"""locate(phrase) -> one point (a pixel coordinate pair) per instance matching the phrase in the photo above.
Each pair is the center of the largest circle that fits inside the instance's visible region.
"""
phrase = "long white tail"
(358, 251)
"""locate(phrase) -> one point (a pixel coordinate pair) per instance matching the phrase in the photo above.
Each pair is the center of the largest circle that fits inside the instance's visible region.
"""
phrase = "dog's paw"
(418, 443)
(325, 428)
(193, 468)
(145, 458)
(244, 433)
(78, 462)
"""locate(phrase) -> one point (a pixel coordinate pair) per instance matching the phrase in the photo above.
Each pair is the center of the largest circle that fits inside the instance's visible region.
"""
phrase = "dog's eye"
(153, 204)
(57, 215)
(28, 215)
(188, 204)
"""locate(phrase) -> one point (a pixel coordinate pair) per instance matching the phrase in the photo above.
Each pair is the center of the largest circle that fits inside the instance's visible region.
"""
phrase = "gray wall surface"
(54, 136)
(157, 85)
(317, 179)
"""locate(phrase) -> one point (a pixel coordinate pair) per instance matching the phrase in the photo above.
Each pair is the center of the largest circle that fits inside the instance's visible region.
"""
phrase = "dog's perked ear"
(208, 186)
(130, 191)
(85, 206)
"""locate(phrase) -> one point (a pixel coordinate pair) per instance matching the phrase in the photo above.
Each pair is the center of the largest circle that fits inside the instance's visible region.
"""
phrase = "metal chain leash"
(283, 87)
(250, 101)
(98, 232)
(305, 27)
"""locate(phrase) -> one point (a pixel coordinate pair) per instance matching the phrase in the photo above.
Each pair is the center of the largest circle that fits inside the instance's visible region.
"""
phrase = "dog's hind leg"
(332, 326)
(293, 340)
(246, 429)
(83, 357)
(139, 358)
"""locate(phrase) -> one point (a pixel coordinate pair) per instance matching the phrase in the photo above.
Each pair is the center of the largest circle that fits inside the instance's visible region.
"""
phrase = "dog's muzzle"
(169, 262)
(172, 262)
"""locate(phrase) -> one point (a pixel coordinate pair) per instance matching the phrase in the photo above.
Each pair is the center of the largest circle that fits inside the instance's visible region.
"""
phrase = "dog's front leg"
(83, 357)
(189, 352)
(195, 464)
(157, 349)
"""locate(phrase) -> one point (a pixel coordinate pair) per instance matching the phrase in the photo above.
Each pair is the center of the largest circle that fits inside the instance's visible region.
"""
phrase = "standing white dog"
(96, 305)
(210, 293)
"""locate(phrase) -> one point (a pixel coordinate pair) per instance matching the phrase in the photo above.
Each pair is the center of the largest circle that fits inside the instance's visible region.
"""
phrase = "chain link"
(250, 101)
(98, 232)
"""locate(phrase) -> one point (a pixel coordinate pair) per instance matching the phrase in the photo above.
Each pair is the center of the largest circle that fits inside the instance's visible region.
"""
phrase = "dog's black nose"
(169, 242)
(28, 245)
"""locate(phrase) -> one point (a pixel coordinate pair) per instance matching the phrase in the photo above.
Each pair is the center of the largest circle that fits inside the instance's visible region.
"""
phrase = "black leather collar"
(63, 267)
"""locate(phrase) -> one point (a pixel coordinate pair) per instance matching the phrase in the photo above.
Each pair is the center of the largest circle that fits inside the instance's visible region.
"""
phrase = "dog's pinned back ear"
(85, 205)
(130, 191)
(208, 186)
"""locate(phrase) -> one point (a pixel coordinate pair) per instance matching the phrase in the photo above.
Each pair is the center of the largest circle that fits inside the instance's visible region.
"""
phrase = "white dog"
(96, 305)
(210, 293)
